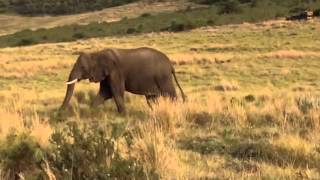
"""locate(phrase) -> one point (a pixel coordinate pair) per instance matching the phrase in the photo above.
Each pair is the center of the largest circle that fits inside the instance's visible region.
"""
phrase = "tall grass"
(14, 119)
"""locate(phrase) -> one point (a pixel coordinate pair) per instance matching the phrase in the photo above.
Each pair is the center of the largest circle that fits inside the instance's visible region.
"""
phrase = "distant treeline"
(56, 7)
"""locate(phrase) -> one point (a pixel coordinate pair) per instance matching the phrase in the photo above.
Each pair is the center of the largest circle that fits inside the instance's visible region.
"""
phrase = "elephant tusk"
(72, 82)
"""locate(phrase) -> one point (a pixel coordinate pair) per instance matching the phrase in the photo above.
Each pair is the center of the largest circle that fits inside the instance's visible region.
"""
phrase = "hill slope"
(14, 23)
(218, 14)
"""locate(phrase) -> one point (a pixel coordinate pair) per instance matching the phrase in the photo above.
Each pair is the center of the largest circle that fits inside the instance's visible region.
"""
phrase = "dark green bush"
(145, 15)
(131, 30)
(210, 22)
(229, 7)
(20, 153)
(79, 35)
(25, 42)
(178, 27)
(249, 98)
(316, 12)
(88, 152)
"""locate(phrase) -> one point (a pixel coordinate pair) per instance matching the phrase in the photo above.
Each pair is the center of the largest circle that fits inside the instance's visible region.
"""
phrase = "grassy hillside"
(253, 109)
(11, 23)
(169, 21)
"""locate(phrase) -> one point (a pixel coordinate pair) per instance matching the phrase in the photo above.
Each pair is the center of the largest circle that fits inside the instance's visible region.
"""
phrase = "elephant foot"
(98, 100)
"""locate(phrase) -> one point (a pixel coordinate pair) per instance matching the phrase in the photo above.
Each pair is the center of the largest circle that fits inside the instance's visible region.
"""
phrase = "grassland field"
(253, 109)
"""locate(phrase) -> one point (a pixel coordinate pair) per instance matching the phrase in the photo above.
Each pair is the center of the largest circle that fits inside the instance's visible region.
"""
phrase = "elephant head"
(94, 66)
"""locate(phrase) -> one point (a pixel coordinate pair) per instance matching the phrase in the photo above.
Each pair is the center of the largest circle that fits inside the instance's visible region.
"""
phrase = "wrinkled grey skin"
(142, 71)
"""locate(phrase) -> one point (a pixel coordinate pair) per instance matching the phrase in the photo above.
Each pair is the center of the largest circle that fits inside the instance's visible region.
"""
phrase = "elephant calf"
(142, 71)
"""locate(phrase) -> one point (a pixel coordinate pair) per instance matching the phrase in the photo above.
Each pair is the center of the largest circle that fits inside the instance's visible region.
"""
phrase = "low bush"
(20, 154)
(145, 15)
(77, 151)
(316, 12)
(264, 151)
(79, 35)
(307, 103)
(25, 42)
(131, 30)
(89, 152)
(229, 7)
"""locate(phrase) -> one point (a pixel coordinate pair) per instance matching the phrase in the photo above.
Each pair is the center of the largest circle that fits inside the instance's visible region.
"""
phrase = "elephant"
(142, 71)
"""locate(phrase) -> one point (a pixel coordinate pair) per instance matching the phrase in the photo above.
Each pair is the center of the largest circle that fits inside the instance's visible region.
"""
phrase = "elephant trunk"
(73, 78)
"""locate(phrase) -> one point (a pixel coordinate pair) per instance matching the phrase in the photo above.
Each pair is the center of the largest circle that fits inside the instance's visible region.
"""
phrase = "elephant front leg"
(118, 96)
(103, 94)
(119, 100)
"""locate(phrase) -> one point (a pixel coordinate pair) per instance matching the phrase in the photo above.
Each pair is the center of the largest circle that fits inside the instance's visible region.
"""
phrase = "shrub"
(145, 15)
(265, 151)
(306, 103)
(178, 27)
(250, 98)
(202, 119)
(131, 30)
(229, 7)
(20, 153)
(210, 22)
(316, 12)
(25, 42)
(78, 35)
(88, 152)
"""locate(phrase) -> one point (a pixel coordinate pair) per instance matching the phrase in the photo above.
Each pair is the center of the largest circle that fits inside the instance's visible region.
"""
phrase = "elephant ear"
(84, 59)
(116, 74)
(108, 65)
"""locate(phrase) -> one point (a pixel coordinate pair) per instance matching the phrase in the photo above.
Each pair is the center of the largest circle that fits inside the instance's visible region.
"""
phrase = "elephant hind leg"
(167, 88)
(151, 99)
(103, 94)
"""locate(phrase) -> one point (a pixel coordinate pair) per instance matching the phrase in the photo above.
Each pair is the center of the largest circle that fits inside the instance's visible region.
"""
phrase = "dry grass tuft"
(14, 119)
(157, 152)
(294, 143)
(227, 86)
(168, 116)
(291, 54)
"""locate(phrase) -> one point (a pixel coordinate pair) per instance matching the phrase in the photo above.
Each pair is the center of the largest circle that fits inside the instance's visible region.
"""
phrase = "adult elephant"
(142, 71)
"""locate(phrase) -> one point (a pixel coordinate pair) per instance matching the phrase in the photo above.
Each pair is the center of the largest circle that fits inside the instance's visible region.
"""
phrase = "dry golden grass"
(291, 54)
(13, 119)
(157, 153)
(294, 143)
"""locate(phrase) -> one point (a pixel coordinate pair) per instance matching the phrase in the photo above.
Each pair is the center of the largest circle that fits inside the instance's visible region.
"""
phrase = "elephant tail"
(184, 97)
